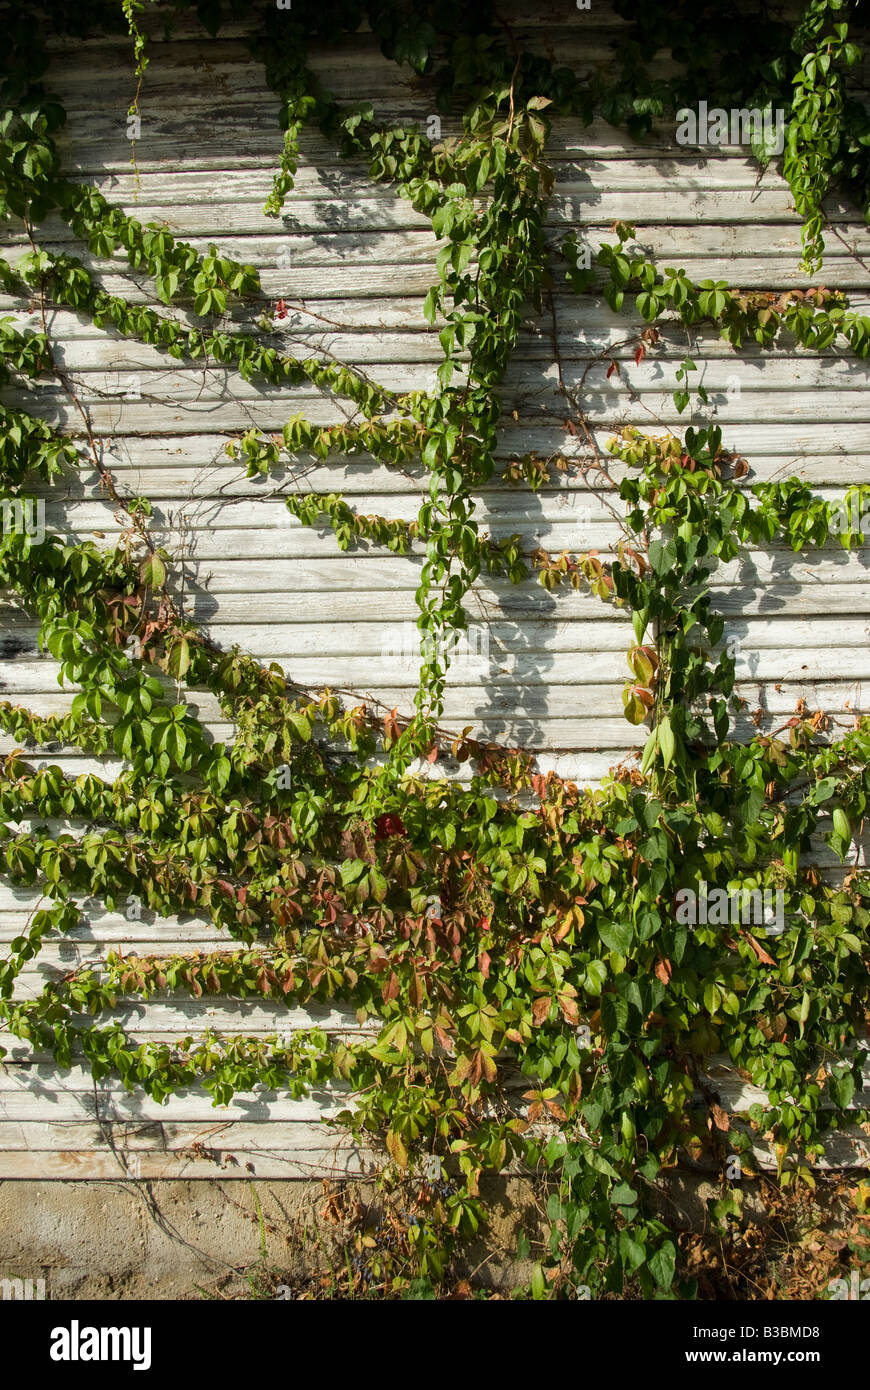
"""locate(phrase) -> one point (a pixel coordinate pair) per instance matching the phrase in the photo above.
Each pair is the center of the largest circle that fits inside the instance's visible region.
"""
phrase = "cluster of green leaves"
(753, 60)
(821, 144)
(495, 557)
(740, 56)
(817, 318)
(347, 525)
(393, 442)
(62, 279)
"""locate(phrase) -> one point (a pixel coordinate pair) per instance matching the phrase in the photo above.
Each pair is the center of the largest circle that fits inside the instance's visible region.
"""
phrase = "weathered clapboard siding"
(355, 263)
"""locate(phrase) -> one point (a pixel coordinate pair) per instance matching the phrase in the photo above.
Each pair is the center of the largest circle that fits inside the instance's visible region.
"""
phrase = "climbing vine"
(527, 987)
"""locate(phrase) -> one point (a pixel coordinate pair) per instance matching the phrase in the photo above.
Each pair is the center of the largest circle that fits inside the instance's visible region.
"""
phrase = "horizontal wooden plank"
(321, 1158)
(34, 1092)
(185, 466)
(496, 641)
(22, 1102)
(105, 363)
(248, 136)
(337, 1160)
(394, 330)
(569, 513)
(585, 768)
(527, 722)
(167, 1135)
(213, 528)
(110, 930)
(586, 331)
(23, 677)
(630, 167)
(516, 663)
(281, 257)
(358, 480)
(174, 407)
(340, 1160)
(339, 601)
(192, 1016)
(514, 725)
(384, 283)
(287, 1148)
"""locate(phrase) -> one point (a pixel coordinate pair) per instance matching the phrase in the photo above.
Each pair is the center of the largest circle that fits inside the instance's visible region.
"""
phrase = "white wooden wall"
(361, 261)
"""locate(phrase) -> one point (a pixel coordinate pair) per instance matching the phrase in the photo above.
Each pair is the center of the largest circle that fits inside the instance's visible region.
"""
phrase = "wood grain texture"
(353, 262)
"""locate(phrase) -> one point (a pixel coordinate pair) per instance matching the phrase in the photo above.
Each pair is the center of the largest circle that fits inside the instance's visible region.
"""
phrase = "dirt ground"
(313, 1240)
